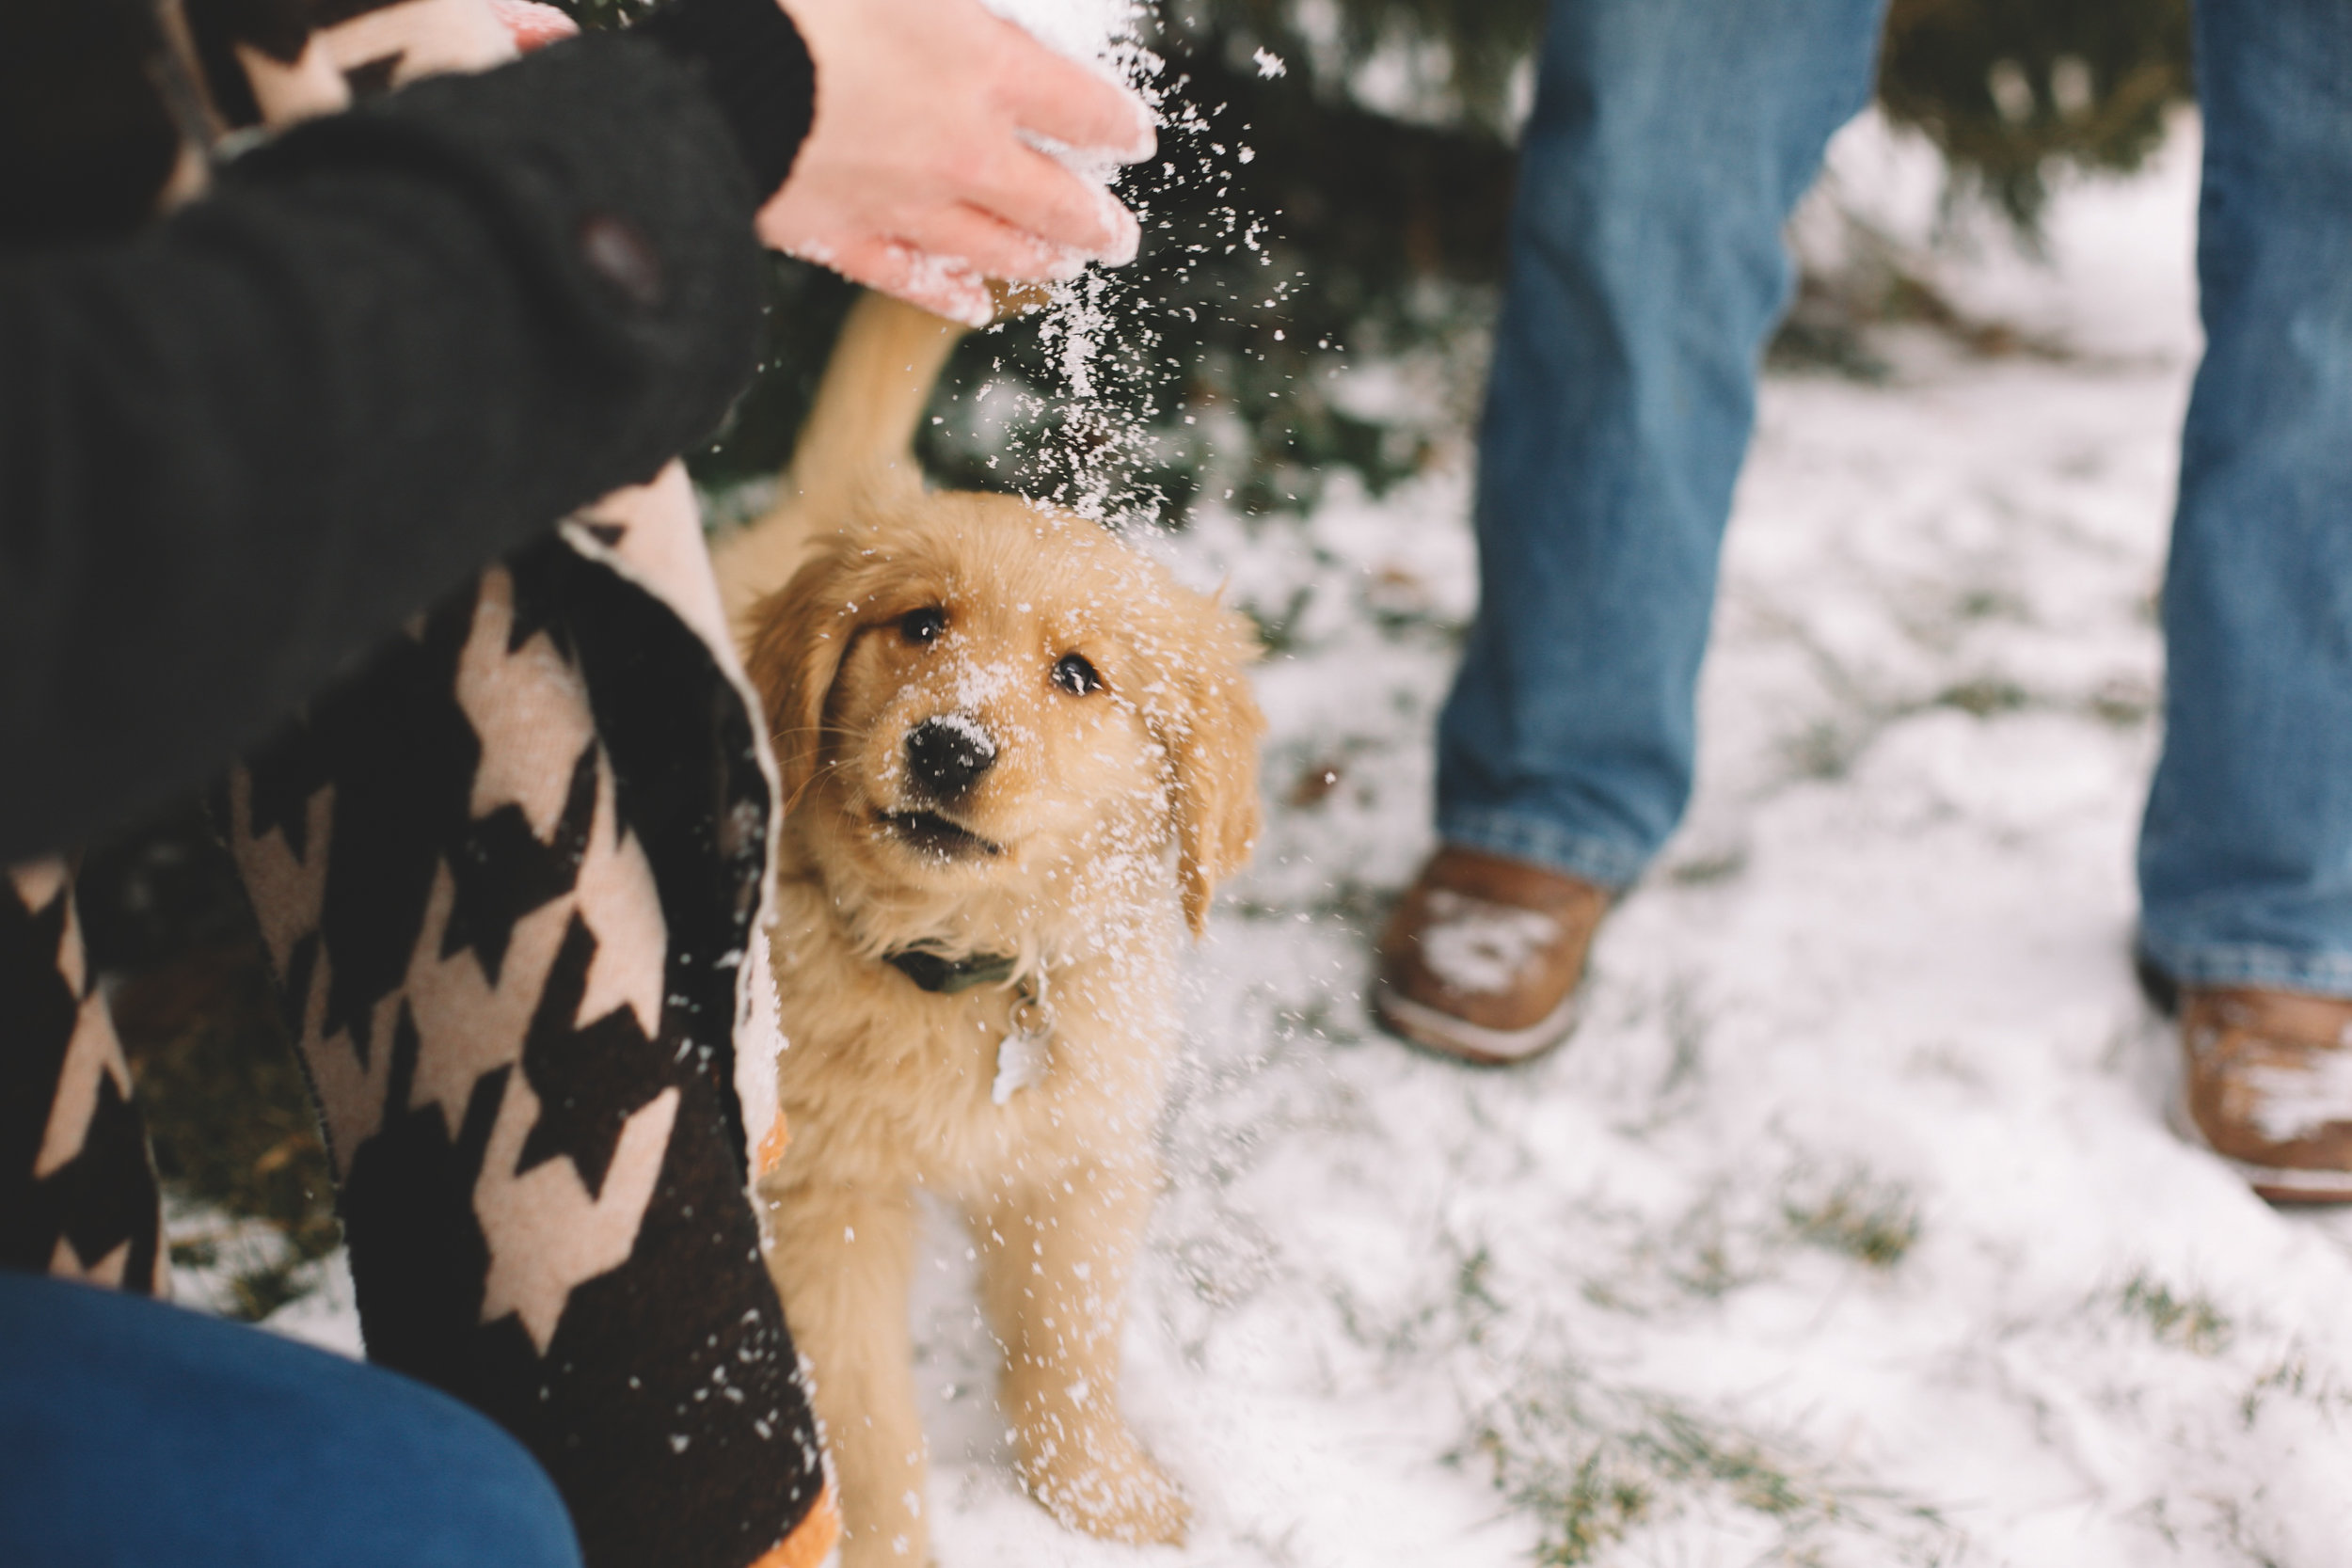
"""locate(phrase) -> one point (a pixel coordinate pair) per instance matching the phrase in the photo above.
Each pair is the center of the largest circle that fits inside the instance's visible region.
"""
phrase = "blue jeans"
(136, 1435)
(1670, 140)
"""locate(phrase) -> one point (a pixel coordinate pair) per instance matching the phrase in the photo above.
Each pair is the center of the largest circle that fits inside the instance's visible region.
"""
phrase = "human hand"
(533, 26)
(923, 174)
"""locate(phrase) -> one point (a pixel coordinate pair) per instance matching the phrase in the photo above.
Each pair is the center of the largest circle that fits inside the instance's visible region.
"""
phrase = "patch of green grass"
(1823, 750)
(1990, 604)
(2294, 1379)
(1709, 870)
(1873, 1222)
(1474, 1281)
(1594, 1510)
(1582, 1506)
(2190, 1322)
(1279, 630)
(1686, 1449)
(1592, 1466)
(1712, 1272)
(2126, 708)
(1985, 696)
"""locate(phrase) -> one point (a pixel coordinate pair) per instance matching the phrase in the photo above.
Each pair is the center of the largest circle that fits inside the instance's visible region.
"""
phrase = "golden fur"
(1112, 814)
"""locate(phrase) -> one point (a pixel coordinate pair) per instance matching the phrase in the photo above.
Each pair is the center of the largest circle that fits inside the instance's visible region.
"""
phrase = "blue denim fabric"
(134, 1434)
(1670, 140)
(2246, 851)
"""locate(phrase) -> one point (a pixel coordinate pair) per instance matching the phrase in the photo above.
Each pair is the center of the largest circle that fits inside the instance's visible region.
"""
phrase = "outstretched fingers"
(1077, 106)
(945, 287)
(993, 246)
(931, 162)
(1033, 193)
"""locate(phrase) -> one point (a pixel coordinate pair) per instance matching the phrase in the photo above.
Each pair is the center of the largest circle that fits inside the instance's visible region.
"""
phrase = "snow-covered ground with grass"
(1846, 1229)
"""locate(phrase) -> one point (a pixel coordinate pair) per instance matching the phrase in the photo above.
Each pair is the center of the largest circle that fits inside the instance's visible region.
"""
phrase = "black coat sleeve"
(389, 347)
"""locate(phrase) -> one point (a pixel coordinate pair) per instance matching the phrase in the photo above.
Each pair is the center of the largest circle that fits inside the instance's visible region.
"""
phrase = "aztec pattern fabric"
(511, 876)
(77, 1188)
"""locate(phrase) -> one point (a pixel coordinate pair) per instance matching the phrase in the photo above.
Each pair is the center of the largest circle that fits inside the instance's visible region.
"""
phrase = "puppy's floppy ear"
(1208, 722)
(798, 637)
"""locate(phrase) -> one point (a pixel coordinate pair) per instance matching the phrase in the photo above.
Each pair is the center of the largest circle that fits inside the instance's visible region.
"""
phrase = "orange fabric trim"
(810, 1540)
(770, 1155)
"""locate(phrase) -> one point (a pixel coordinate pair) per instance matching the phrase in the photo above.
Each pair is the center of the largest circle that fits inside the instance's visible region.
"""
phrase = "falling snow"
(1847, 1228)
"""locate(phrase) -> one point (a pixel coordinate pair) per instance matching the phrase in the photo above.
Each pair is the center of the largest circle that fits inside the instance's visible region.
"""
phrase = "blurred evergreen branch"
(2006, 89)
(1374, 224)
(2010, 90)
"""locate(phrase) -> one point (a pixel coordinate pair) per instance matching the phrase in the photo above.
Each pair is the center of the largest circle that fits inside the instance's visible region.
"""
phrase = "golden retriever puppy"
(1018, 758)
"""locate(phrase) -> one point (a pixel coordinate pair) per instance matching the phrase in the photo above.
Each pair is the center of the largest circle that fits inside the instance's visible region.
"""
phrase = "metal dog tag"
(1026, 1052)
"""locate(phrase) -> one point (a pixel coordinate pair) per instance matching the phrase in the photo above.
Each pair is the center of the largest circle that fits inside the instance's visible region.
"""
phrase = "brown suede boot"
(1481, 960)
(2266, 1084)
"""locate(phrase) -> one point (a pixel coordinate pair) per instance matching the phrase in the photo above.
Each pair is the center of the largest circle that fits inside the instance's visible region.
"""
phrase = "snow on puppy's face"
(971, 696)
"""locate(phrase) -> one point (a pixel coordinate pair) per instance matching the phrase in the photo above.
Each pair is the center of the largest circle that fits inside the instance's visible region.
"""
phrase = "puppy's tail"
(858, 440)
(861, 428)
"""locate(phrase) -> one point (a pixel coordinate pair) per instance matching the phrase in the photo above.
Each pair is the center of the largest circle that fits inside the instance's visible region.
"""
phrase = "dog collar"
(1026, 1052)
(937, 971)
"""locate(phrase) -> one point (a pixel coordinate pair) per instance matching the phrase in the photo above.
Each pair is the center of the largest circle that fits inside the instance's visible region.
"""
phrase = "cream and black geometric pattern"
(77, 1189)
(508, 876)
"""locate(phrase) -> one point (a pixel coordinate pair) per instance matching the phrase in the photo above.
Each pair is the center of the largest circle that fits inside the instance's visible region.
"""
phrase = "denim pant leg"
(2246, 850)
(137, 1433)
(1669, 141)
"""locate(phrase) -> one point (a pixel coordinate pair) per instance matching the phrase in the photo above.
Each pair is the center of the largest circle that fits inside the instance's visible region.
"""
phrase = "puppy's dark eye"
(922, 627)
(1074, 674)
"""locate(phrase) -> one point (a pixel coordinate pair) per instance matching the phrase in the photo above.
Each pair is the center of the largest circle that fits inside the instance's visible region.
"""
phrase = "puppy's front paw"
(1099, 1479)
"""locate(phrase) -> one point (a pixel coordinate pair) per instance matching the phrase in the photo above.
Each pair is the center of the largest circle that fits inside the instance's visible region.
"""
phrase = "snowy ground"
(1846, 1229)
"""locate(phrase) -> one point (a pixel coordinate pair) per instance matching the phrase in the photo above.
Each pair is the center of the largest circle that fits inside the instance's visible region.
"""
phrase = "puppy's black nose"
(947, 754)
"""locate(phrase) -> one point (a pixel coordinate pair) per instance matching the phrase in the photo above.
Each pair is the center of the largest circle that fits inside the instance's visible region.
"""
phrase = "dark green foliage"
(232, 1123)
(217, 1079)
(1359, 236)
(1484, 42)
(2005, 88)
(1338, 235)
(2009, 87)
(1343, 231)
